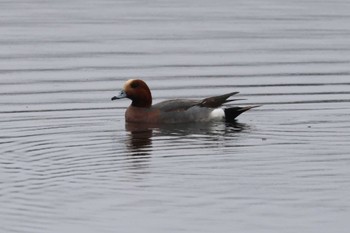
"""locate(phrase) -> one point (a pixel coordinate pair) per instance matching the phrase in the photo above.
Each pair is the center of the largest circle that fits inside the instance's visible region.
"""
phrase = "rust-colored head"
(138, 91)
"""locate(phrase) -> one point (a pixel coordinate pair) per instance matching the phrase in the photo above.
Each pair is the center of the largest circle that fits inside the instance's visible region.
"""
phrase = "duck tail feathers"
(233, 112)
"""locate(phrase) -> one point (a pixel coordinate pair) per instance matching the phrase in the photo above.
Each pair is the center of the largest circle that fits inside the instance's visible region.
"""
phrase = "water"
(70, 164)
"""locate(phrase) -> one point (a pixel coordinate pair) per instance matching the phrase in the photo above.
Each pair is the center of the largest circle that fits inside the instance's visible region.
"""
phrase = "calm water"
(70, 164)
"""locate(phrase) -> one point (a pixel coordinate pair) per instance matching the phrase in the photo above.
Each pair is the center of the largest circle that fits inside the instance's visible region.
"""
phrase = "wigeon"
(141, 109)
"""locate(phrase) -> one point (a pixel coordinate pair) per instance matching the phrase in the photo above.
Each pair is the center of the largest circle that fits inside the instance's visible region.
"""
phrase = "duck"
(173, 111)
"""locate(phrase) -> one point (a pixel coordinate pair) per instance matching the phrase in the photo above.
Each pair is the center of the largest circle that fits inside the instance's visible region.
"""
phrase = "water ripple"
(70, 163)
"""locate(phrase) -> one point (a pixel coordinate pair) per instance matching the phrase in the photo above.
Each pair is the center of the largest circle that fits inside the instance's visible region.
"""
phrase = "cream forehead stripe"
(128, 83)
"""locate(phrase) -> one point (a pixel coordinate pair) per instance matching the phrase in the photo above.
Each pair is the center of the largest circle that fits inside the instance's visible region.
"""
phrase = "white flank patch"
(217, 114)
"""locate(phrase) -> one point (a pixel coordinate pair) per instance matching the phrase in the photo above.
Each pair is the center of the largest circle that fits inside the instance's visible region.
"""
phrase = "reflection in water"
(140, 140)
(171, 140)
(139, 144)
(140, 136)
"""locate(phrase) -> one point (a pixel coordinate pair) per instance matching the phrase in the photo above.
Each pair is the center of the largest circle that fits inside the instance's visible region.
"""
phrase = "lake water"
(68, 162)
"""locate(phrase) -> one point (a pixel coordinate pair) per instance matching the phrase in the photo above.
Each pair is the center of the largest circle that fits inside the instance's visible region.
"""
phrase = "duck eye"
(134, 85)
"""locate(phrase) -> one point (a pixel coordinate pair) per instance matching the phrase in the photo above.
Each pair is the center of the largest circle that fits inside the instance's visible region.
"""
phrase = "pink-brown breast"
(139, 115)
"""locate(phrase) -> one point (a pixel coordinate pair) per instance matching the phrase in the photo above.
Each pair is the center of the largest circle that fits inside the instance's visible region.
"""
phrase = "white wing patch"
(217, 114)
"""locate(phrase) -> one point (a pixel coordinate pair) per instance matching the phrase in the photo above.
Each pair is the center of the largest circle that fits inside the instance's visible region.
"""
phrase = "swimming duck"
(141, 109)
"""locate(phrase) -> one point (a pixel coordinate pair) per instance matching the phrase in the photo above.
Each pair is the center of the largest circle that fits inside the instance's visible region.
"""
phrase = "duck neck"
(142, 101)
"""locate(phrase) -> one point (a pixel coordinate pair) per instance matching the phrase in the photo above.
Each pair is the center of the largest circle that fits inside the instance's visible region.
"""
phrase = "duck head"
(138, 92)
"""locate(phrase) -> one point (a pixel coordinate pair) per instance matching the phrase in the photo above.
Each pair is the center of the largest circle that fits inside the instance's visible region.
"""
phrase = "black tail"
(233, 112)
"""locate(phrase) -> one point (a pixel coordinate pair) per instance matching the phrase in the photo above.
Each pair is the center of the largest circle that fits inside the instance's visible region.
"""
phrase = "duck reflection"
(140, 137)
(139, 145)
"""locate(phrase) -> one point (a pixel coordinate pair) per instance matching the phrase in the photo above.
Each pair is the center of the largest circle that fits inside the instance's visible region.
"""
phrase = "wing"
(217, 101)
(178, 105)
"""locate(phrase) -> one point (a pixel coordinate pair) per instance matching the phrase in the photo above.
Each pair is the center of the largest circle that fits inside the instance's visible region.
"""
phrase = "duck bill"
(122, 95)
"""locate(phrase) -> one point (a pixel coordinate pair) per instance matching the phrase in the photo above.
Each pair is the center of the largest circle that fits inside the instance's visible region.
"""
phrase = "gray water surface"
(68, 162)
